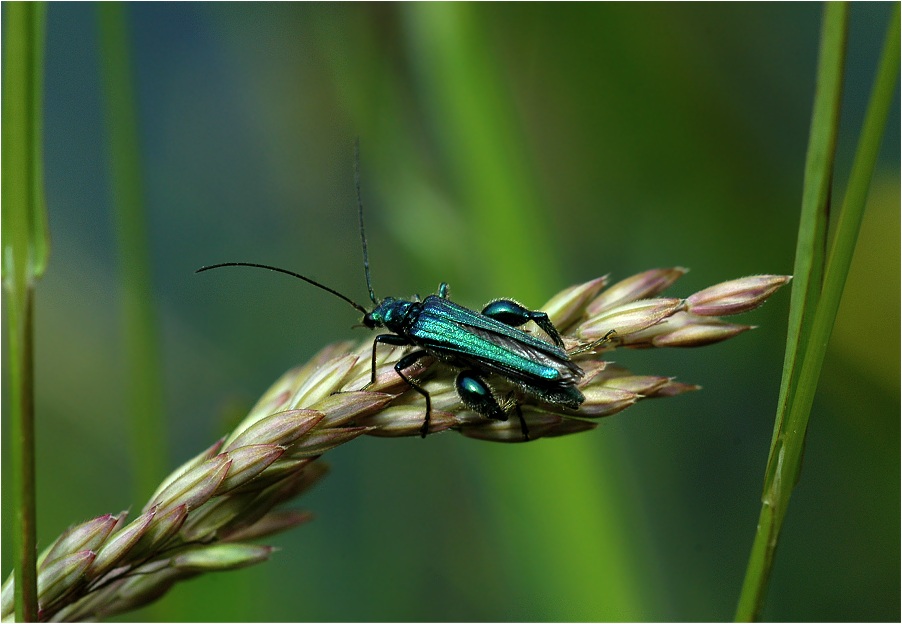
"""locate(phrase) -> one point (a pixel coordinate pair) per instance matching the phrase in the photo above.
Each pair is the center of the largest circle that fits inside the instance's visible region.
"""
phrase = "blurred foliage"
(633, 136)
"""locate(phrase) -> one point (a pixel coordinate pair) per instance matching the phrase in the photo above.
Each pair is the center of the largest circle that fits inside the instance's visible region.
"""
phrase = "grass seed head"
(201, 516)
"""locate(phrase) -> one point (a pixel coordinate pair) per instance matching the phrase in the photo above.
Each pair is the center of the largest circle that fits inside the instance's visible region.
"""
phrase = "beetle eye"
(369, 321)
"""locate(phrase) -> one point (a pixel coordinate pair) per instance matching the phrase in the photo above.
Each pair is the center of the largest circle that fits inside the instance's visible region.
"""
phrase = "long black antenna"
(366, 258)
(356, 305)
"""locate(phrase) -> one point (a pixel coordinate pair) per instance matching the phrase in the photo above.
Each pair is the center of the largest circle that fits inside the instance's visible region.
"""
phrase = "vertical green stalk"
(801, 376)
(140, 334)
(474, 121)
(25, 251)
(475, 124)
(811, 246)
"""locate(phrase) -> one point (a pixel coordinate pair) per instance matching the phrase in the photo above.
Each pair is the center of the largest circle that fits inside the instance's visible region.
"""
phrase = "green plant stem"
(786, 451)
(474, 119)
(25, 250)
(23, 445)
(140, 334)
(811, 246)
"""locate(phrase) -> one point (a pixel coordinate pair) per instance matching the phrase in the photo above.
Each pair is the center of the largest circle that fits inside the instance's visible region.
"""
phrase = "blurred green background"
(511, 150)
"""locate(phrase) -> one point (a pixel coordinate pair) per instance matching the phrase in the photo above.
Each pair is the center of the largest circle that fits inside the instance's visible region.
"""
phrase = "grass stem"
(819, 305)
(139, 326)
(25, 251)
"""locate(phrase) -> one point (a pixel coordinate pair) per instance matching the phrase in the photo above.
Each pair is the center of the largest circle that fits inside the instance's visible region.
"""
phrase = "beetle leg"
(475, 393)
(597, 343)
(405, 362)
(513, 314)
(389, 339)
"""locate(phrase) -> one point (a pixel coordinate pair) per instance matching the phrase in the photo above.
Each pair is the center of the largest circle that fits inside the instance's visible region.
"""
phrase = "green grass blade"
(25, 252)
(474, 123)
(792, 422)
(140, 333)
(811, 246)
(808, 272)
(25, 239)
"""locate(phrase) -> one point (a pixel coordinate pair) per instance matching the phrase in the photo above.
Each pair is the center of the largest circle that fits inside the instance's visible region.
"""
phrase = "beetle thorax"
(392, 314)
